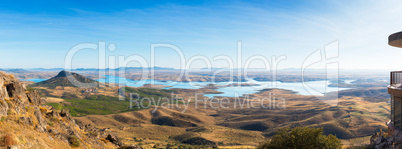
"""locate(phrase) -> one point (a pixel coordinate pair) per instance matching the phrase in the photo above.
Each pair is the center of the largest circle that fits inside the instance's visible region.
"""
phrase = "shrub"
(74, 141)
(50, 123)
(7, 140)
(3, 118)
(301, 137)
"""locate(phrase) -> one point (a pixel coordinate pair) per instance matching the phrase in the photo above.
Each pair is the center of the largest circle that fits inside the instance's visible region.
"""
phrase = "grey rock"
(34, 98)
(16, 90)
(379, 140)
(38, 114)
(40, 128)
(25, 120)
(66, 113)
(114, 139)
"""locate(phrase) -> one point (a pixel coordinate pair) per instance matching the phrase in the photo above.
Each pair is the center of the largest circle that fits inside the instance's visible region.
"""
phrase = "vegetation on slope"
(300, 138)
(95, 104)
(103, 105)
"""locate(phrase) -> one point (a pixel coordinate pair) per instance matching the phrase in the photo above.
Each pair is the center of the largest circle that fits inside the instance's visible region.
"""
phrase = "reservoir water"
(306, 88)
(36, 80)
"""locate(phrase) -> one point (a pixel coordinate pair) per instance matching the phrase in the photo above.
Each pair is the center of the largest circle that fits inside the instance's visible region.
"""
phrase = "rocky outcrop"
(34, 98)
(21, 107)
(25, 120)
(16, 89)
(390, 141)
(66, 113)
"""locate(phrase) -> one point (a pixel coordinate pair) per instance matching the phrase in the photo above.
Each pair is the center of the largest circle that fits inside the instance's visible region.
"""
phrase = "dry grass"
(42, 109)
(54, 100)
(29, 137)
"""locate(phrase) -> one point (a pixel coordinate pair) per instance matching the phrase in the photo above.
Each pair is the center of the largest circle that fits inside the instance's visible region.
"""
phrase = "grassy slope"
(103, 105)
(352, 118)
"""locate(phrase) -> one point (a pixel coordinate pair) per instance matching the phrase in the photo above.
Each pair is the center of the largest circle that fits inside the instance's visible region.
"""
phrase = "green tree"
(301, 138)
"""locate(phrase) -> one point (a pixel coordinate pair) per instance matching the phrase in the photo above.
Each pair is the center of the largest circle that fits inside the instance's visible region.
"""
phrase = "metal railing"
(396, 77)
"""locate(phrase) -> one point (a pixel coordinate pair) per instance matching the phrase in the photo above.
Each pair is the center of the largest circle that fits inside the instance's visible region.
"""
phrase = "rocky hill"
(66, 78)
(26, 123)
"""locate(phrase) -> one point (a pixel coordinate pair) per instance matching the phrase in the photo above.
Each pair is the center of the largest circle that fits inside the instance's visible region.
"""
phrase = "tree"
(301, 138)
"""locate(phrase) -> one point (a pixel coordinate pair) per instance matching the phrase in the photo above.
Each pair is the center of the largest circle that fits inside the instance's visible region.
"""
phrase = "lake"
(36, 80)
(307, 88)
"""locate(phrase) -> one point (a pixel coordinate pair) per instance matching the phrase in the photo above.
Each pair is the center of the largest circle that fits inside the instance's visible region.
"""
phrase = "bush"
(7, 140)
(300, 138)
(74, 141)
(3, 118)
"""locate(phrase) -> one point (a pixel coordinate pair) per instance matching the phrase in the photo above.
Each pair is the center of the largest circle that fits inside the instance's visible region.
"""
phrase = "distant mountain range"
(66, 78)
(20, 70)
(17, 70)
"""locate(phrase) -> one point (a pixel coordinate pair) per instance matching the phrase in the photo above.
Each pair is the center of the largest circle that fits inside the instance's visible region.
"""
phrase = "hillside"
(356, 116)
(376, 94)
(26, 123)
(353, 118)
(66, 79)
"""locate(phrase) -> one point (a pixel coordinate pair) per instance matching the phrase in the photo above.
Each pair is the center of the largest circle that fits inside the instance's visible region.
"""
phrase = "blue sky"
(39, 33)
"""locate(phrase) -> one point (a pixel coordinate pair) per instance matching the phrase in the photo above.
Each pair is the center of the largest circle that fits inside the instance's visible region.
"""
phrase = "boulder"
(114, 139)
(66, 113)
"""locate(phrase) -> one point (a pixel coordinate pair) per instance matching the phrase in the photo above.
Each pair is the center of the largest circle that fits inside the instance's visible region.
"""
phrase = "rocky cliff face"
(26, 123)
(388, 140)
